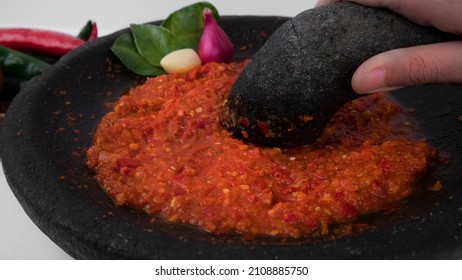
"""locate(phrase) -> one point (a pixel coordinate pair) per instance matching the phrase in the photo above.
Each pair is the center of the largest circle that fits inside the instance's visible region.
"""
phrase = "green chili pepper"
(17, 69)
(19, 65)
(12, 85)
(85, 31)
(1, 80)
(88, 32)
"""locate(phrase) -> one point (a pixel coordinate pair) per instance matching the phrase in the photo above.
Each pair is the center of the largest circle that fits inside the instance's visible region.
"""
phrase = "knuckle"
(421, 70)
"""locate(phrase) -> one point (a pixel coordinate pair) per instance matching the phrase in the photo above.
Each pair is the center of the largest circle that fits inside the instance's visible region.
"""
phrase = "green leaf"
(187, 24)
(142, 50)
(153, 42)
(124, 48)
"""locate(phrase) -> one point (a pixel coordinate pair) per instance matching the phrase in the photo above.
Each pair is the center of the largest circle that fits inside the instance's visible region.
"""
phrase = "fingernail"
(372, 81)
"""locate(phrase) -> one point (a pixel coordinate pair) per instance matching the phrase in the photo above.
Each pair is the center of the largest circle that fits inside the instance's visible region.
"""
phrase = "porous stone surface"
(302, 75)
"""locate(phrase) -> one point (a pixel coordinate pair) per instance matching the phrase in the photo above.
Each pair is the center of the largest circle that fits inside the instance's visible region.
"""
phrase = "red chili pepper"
(38, 41)
(94, 32)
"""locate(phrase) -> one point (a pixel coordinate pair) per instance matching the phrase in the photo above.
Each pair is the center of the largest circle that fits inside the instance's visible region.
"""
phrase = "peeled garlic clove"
(180, 61)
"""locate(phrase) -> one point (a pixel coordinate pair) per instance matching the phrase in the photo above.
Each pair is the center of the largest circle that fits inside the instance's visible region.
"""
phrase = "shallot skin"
(214, 45)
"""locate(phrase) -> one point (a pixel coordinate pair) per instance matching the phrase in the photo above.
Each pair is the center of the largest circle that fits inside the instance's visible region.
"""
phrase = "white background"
(19, 237)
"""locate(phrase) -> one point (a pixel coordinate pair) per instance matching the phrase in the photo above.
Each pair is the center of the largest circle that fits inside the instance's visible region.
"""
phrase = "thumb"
(435, 63)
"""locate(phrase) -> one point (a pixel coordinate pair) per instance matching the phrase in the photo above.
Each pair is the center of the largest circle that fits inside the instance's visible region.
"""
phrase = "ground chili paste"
(162, 150)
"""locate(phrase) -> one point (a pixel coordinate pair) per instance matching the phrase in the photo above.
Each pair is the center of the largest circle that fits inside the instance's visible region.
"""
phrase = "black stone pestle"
(296, 82)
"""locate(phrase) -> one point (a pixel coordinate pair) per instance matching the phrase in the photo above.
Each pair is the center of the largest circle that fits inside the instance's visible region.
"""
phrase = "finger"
(325, 2)
(442, 14)
(436, 63)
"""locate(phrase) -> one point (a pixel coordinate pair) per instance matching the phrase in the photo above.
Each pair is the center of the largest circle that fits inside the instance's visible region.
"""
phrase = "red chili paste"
(162, 150)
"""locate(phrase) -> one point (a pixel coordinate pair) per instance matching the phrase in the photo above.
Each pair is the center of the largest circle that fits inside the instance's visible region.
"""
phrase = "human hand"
(435, 63)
